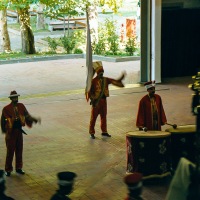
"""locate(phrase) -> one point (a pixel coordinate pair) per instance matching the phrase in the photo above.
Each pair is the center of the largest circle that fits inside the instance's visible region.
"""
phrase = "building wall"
(181, 3)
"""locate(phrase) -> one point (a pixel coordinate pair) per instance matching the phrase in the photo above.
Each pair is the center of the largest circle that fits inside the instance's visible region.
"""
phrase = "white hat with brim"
(13, 94)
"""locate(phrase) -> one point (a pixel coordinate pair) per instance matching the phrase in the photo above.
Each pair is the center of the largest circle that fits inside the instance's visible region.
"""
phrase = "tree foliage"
(55, 8)
(112, 4)
(20, 4)
(4, 4)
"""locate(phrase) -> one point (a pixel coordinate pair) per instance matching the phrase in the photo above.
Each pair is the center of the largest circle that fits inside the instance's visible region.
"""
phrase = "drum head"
(148, 134)
(182, 129)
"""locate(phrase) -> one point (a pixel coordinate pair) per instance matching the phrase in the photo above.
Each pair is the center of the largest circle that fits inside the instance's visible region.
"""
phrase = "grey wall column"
(145, 64)
(156, 40)
(150, 68)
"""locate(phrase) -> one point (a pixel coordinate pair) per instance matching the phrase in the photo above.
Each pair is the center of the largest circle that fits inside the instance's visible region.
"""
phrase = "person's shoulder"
(21, 105)
(144, 97)
(157, 96)
(7, 106)
(95, 78)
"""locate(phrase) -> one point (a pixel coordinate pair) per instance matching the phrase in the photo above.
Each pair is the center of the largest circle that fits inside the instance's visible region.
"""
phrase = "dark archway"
(180, 42)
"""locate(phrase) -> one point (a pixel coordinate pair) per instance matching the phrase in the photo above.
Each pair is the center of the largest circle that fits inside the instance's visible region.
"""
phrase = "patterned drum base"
(149, 153)
(182, 143)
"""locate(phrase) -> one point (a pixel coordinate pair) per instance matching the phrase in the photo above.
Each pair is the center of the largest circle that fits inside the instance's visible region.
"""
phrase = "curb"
(69, 56)
(44, 58)
(113, 59)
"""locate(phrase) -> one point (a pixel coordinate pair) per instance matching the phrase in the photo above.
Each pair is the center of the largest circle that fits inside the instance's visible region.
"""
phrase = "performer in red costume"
(14, 117)
(151, 115)
(98, 93)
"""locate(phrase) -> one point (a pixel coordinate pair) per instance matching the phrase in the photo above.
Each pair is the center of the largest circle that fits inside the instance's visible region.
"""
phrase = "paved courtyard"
(54, 90)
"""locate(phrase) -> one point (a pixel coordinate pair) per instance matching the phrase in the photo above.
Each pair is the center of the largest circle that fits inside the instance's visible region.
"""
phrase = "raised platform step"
(60, 25)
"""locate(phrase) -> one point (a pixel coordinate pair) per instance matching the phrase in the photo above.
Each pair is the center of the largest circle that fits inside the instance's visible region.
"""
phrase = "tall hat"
(98, 67)
(66, 178)
(149, 84)
(13, 94)
(133, 181)
(2, 178)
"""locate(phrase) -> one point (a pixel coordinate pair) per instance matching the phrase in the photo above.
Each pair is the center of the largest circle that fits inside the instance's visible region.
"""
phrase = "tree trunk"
(40, 18)
(4, 36)
(27, 37)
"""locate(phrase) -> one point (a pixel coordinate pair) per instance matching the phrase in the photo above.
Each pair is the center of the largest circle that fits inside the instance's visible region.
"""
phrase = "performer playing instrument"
(151, 114)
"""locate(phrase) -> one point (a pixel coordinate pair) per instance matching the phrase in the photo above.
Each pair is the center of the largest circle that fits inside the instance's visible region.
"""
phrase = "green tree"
(62, 8)
(4, 35)
(22, 7)
(70, 8)
(112, 4)
(53, 8)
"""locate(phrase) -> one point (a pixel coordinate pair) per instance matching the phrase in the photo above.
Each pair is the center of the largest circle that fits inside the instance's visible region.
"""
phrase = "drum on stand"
(182, 143)
(148, 153)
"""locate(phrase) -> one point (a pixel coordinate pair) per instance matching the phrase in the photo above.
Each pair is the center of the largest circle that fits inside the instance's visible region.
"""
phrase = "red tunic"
(96, 86)
(100, 108)
(14, 138)
(145, 114)
(9, 115)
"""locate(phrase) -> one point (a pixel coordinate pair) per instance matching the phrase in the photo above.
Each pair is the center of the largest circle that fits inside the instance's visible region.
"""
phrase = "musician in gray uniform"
(65, 183)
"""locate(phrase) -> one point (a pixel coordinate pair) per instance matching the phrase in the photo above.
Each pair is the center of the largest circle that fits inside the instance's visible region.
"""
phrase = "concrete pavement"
(54, 90)
(58, 75)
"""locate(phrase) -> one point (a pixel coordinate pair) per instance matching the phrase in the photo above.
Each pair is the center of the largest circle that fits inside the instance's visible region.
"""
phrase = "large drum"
(182, 143)
(148, 153)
